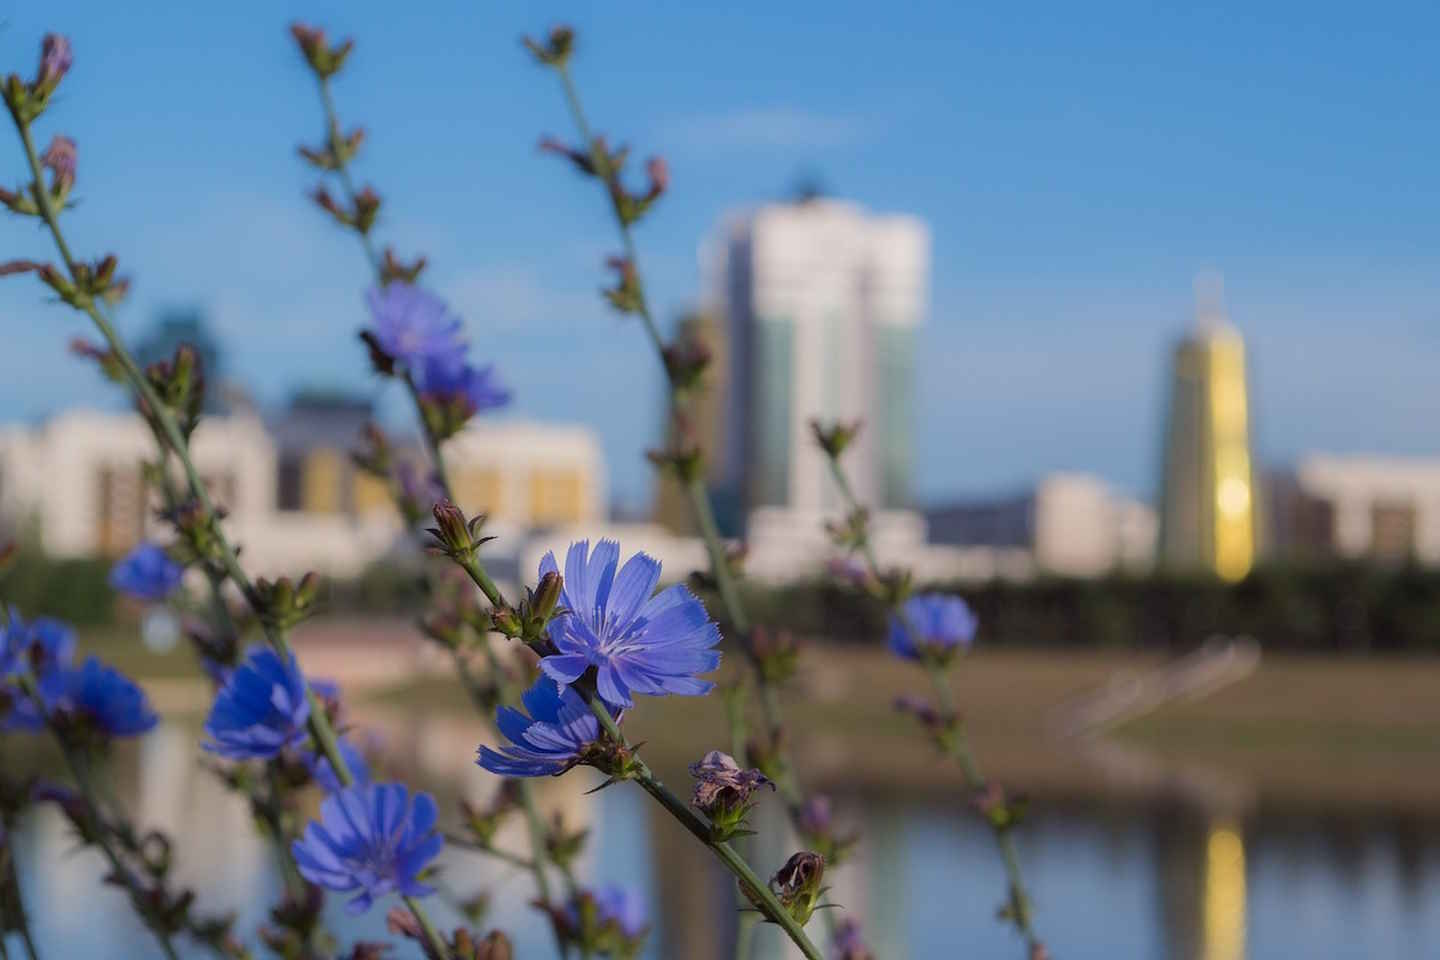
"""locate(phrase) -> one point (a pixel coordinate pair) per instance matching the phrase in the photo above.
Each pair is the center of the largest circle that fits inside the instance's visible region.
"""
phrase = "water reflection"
(1158, 880)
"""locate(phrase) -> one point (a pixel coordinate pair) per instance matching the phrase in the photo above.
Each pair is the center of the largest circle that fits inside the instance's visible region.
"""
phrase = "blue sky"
(1078, 164)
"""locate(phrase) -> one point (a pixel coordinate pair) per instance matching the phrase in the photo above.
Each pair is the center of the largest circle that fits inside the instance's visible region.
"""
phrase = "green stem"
(505, 856)
(958, 744)
(342, 170)
(21, 918)
(757, 891)
(169, 428)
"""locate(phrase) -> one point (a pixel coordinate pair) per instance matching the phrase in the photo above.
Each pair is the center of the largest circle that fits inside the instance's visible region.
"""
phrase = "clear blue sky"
(1078, 164)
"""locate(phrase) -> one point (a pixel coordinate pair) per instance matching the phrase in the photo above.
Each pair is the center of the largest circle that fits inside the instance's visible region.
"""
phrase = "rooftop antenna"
(1210, 313)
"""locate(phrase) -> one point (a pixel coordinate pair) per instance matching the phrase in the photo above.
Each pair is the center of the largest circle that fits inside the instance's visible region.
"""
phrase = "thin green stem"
(342, 169)
(756, 890)
(489, 850)
(957, 744)
(164, 418)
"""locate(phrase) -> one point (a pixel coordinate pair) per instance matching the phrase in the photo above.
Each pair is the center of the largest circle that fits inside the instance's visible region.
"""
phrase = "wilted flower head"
(261, 709)
(932, 626)
(797, 884)
(555, 737)
(371, 840)
(636, 642)
(724, 792)
(147, 573)
(411, 325)
(101, 699)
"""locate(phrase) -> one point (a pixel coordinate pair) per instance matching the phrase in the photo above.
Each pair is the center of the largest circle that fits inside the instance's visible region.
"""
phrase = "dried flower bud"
(835, 437)
(367, 207)
(685, 360)
(325, 60)
(797, 885)
(561, 846)
(1000, 810)
(725, 793)
(556, 49)
(393, 270)
(775, 652)
(626, 295)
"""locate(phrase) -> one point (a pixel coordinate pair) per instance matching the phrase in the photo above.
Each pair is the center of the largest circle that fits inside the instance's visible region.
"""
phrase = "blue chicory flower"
(412, 325)
(39, 645)
(261, 709)
(371, 840)
(147, 573)
(100, 696)
(324, 774)
(624, 909)
(450, 377)
(549, 741)
(637, 643)
(932, 625)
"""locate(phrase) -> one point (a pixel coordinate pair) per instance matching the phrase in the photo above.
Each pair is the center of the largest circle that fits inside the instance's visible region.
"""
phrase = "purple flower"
(324, 774)
(636, 642)
(932, 626)
(55, 60)
(624, 909)
(550, 741)
(450, 378)
(411, 326)
(849, 941)
(371, 840)
(147, 573)
(261, 709)
(101, 696)
(40, 645)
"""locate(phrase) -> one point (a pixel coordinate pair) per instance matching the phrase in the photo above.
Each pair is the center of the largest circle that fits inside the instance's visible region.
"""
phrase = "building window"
(555, 496)
(120, 511)
(1392, 530)
(320, 489)
(370, 494)
(480, 490)
(287, 482)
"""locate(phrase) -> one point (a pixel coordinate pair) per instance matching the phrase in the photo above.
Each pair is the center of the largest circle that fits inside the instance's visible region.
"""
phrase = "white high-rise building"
(821, 301)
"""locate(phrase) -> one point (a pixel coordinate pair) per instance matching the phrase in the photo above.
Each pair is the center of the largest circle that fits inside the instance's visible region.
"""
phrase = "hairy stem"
(169, 428)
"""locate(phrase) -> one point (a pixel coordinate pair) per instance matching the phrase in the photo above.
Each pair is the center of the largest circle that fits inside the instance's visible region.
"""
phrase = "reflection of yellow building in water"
(1207, 517)
(1223, 907)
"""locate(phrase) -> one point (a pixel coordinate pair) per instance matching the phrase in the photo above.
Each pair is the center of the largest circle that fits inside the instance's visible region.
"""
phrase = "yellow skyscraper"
(1208, 509)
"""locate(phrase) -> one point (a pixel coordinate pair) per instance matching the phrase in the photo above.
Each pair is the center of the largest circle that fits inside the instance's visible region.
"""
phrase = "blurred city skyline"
(1076, 169)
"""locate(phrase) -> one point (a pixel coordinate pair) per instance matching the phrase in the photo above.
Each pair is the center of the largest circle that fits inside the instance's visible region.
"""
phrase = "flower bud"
(625, 296)
(849, 944)
(284, 603)
(853, 533)
(797, 885)
(563, 847)
(835, 437)
(556, 49)
(776, 653)
(325, 60)
(55, 60)
(999, 810)
(455, 537)
(540, 604)
(393, 270)
(816, 826)
(725, 793)
(685, 360)
(367, 207)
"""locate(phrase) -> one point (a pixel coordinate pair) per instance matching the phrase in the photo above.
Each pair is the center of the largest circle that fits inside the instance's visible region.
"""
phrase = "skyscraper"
(1207, 512)
(820, 301)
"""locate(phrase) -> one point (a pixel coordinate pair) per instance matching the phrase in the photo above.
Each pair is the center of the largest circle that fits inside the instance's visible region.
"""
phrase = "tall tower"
(1207, 515)
(820, 301)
